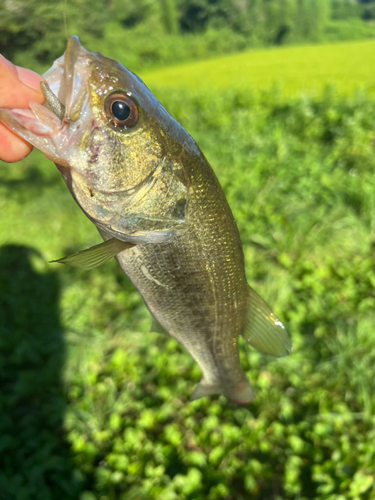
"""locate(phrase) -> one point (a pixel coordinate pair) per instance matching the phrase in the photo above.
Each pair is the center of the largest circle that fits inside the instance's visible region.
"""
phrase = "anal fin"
(156, 326)
(263, 330)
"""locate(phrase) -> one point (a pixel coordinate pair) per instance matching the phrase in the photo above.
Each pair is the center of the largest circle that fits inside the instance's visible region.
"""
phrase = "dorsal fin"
(95, 256)
(263, 330)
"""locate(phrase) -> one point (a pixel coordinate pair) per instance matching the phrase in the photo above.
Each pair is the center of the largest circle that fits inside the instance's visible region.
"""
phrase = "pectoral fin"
(95, 256)
(263, 330)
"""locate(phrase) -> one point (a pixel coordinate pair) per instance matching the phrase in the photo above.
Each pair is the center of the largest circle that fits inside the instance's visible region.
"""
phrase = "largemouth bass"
(147, 187)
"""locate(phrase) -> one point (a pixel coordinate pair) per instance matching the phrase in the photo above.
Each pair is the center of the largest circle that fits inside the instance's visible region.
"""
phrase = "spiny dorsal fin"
(263, 330)
(95, 256)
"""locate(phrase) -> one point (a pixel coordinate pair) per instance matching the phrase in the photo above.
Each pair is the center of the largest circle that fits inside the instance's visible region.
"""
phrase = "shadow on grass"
(35, 461)
(29, 186)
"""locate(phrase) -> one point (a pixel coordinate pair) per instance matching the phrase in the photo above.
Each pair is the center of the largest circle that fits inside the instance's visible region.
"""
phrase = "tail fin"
(242, 393)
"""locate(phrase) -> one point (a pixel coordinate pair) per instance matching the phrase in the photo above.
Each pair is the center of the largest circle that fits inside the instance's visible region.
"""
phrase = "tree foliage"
(37, 28)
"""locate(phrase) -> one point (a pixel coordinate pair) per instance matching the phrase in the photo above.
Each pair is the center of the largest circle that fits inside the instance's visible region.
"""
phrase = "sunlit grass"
(308, 69)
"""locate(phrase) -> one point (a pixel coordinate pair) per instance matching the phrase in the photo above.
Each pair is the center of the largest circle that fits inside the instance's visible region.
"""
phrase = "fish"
(144, 183)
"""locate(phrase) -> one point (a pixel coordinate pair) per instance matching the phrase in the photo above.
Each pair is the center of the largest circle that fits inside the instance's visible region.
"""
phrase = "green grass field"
(295, 70)
(95, 407)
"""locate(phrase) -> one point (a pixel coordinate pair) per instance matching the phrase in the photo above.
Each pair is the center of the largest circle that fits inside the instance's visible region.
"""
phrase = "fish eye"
(121, 110)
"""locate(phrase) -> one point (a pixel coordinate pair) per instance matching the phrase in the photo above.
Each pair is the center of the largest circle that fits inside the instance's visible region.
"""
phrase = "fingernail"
(7, 63)
(29, 78)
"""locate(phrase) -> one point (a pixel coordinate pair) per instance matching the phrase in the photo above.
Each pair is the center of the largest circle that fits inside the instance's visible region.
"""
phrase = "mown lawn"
(303, 69)
(95, 407)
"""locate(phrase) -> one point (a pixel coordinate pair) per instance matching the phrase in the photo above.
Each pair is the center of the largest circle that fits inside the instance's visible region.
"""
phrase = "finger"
(29, 78)
(12, 147)
(18, 86)
(6, 67)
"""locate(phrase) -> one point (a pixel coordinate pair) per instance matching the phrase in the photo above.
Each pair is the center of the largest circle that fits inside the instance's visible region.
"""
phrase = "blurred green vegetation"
(304, 69)
(147, 33)
(95, 407)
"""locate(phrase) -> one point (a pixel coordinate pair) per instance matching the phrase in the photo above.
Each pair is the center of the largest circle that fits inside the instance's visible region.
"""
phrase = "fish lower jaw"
(241, 394)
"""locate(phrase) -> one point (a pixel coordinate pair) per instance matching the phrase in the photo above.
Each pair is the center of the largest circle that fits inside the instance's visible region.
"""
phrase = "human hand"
(18, 86)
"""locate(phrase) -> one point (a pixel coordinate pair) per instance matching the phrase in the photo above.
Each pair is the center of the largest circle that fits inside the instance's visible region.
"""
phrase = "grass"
(295, 70)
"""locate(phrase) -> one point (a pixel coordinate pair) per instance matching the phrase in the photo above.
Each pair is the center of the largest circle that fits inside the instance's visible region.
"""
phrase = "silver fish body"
(195, 287)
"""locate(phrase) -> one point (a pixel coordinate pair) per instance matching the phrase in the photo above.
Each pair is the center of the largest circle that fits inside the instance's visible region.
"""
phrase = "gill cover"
(152, 212)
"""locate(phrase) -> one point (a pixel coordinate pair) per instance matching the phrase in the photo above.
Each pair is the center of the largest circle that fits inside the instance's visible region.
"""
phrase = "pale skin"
(18, 86)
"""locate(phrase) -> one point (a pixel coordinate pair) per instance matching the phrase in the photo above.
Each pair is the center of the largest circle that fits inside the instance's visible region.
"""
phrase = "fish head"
(120, 153)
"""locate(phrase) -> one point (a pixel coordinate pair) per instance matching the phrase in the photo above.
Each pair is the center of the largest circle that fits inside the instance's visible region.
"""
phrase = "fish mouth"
(41, 125)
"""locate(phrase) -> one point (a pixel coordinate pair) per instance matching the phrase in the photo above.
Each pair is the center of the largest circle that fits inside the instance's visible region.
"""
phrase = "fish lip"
(65, 80)
(73, 47)
(64, 67)
(71, 55)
